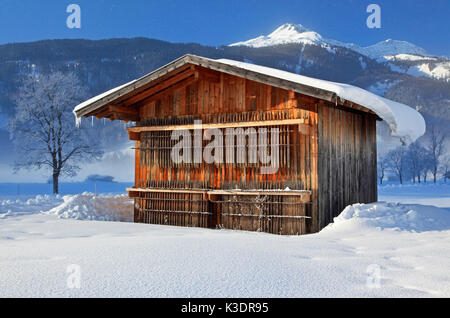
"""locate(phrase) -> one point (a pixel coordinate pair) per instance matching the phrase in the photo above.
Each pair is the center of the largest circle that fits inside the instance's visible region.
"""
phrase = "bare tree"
(382, 167)
(397, 161)
(418, 159)
(436, 141)
(414, 160)
(425, 163)
(43, 127)
(445, 166)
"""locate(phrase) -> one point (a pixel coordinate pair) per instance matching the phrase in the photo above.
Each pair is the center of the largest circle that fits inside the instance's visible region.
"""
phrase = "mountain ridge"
(297, 33)
(400, 56)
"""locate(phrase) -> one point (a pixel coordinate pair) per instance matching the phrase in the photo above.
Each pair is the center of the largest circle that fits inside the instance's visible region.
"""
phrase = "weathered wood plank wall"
(347, 160)
(221, 98)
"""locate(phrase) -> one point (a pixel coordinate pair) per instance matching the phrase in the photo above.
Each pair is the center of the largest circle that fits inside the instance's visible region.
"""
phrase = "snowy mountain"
(400, 56)
(420, 66)
(285, 34)
(297, 33)
(392, 47)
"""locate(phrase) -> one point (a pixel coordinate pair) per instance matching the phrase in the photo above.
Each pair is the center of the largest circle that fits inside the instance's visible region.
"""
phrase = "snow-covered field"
(371, 250)
(427, 194)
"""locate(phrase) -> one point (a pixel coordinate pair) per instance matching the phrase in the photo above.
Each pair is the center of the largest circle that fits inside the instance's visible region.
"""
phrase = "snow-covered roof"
(99, 97)
(404, 121)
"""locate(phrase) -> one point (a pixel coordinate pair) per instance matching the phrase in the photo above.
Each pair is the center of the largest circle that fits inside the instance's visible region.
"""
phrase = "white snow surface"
(409, 57)
(87, 206)
(424, 66)
(404, 121)
(440, 71)
(406, 243)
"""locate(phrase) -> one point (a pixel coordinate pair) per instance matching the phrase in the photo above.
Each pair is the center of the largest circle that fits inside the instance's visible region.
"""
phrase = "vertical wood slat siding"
(347, 160)
(271, 217)
(332, 160)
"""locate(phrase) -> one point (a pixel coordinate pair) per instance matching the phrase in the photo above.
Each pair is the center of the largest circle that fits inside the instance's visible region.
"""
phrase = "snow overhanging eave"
(404, 122)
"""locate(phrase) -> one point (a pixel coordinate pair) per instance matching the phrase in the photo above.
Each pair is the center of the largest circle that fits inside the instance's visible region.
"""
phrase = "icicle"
(77, 121)
(92, 121)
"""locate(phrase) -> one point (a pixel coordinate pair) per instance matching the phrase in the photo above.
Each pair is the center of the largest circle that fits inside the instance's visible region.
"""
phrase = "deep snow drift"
(87, 206)
(371, 250)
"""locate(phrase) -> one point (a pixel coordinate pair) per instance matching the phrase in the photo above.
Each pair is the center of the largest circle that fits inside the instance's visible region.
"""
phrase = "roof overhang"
(121, 102)
(133, 88)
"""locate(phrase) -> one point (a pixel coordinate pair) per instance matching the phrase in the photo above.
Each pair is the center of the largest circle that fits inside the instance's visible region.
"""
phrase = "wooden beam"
(123, 110)
(299, 122)
(305, 194)
(140, 89)
(161, 86)
(125, 116)
(133, 190)
(176, 86)
(103, 114)
(136, 136)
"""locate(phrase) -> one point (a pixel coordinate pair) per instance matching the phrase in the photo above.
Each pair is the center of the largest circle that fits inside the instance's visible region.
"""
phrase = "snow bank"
(392, 216)
(19, 205)
(87, 206)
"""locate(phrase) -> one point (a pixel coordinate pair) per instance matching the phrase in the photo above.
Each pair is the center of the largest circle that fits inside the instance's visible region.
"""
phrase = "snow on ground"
(87, 206)
(439, 70)
(417, 193)
(407, 244)
(409, 57)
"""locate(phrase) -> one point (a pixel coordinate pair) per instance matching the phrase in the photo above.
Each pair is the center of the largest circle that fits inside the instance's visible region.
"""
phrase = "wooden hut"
(325, 149)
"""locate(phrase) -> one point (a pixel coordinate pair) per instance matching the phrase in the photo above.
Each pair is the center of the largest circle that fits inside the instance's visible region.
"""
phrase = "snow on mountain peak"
(392, 47)
(297, 33)
(284, 34)
(288, 29)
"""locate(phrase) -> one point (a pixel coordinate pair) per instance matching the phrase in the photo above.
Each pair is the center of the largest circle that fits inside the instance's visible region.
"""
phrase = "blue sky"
(217, 22)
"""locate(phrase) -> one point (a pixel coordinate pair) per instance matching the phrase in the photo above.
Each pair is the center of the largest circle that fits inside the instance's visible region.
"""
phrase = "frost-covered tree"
(447, 176)
(397, 161)
(418, 159)
(382, 167)
(436, 142)
(446, 168)
(43, 127)
(426, 164)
